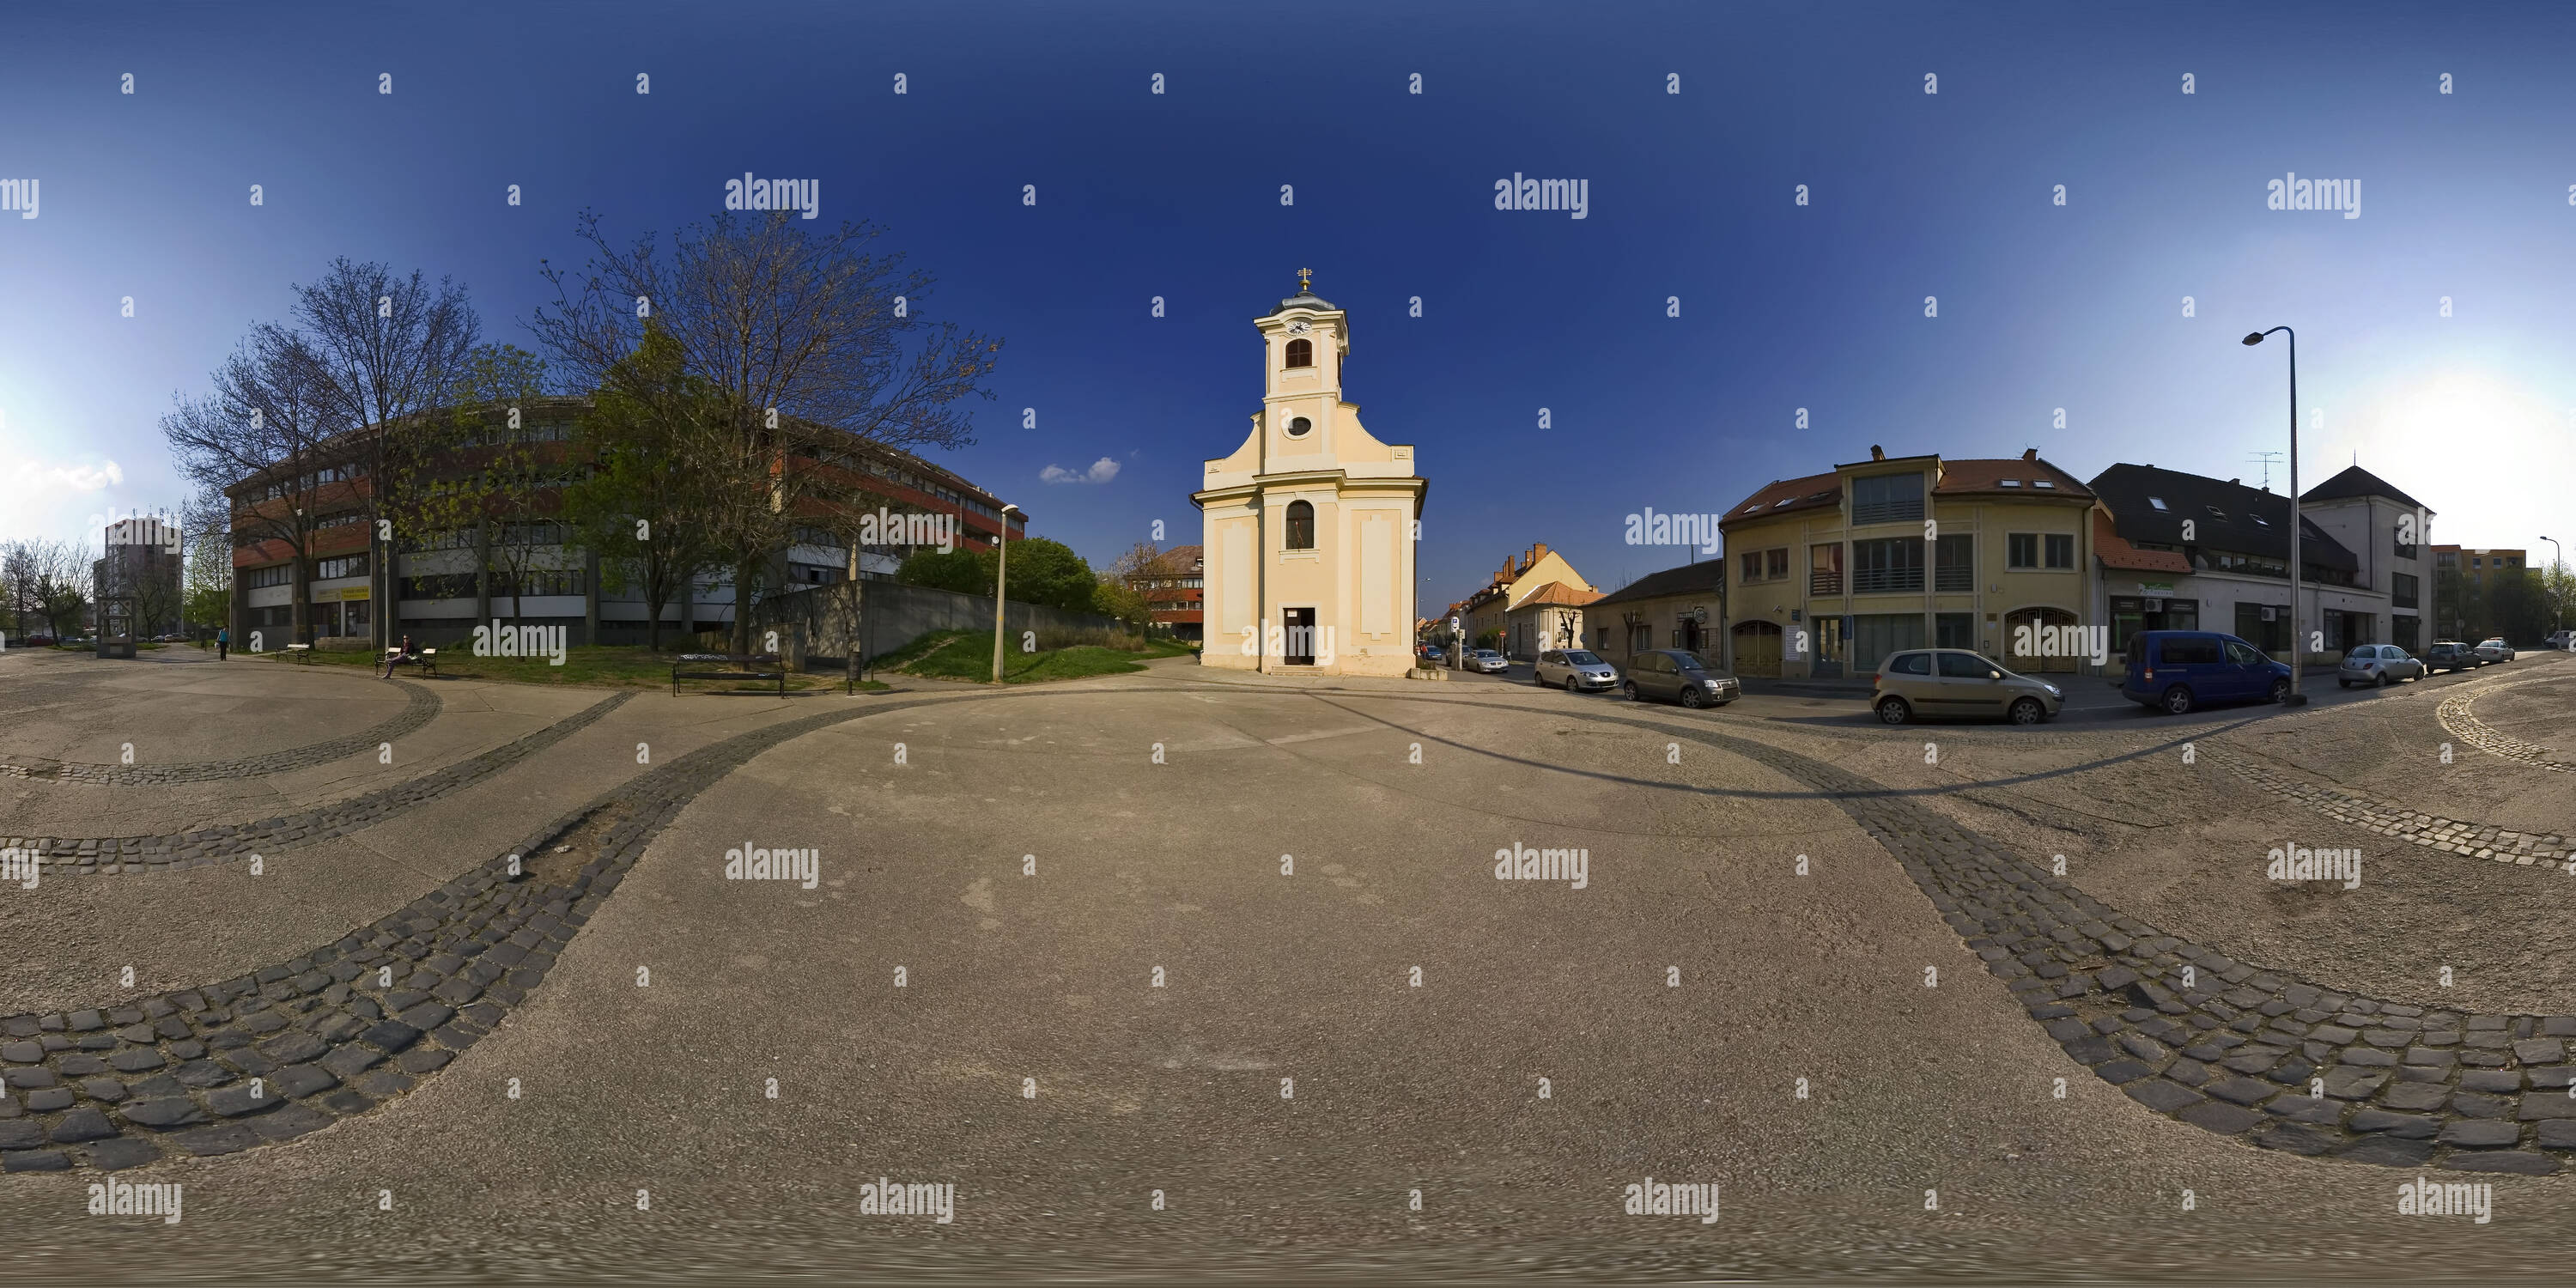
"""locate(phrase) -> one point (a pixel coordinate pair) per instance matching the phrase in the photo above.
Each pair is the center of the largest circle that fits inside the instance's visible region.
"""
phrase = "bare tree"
(266, 424)
(810, 341)
(391, 349)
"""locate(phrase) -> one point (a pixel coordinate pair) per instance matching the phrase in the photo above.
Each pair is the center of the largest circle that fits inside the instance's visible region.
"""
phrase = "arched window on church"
(1301, 526)
(1301, 353)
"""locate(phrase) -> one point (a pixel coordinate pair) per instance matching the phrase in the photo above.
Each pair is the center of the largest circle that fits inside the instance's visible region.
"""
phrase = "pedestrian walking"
(223, 643)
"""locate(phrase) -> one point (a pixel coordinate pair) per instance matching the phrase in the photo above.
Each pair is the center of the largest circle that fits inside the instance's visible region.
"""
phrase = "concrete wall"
(815, 621)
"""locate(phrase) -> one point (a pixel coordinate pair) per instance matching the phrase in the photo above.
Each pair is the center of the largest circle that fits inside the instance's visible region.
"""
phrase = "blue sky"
(2464, 195)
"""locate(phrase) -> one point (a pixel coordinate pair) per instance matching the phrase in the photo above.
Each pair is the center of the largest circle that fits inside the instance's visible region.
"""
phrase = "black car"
(1679, 676)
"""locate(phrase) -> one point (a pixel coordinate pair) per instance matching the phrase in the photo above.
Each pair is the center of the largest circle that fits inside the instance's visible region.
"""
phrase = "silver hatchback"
(2378, 665)
(1575, 670)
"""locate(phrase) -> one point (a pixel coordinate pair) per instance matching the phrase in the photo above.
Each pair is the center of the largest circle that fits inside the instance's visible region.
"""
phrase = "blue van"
(2179, 670)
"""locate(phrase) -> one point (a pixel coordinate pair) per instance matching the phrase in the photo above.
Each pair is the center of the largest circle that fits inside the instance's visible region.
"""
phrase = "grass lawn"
(611, 666)
(968, 655)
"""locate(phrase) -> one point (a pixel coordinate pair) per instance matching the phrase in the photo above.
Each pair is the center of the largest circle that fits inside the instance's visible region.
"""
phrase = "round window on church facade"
(1298, 426)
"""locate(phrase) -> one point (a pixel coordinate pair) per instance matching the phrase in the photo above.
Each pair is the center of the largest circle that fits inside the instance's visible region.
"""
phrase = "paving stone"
(108, 1090)
(37, 1160)
(293, 1048)
(349, 1061)
(21, 1133)
(163, 1113)
(2298, 1138)
(208, 1141)
(82, 1124)
(2469, 1133)
(290, 1121)
(2243, 1091)
(2516, 1162)
(136, 1060)
(2307, 1109)
(2388, 1151)
(2470, 1104)
(301, 1080)
(390, 1036)
(120, 1152)
(2224, 1119)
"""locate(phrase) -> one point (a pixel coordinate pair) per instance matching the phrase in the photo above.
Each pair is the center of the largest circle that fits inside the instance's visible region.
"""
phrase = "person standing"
(223, 642)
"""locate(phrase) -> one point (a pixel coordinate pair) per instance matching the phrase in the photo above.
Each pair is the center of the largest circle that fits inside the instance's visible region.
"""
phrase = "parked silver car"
(1487, 660)
(1575, 670)
(2494, 649)
(2378, 665)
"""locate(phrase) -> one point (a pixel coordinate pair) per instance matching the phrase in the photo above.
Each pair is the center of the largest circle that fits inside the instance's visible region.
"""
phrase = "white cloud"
(1101, 471)
(32, 478)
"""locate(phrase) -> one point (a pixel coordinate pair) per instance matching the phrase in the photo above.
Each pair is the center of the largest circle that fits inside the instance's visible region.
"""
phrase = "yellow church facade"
(1309, 528)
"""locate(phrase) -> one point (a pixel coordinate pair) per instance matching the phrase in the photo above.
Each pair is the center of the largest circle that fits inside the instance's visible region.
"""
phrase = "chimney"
(1538, 552)
(2030, 454)
(2236, 482)
(1877, 453)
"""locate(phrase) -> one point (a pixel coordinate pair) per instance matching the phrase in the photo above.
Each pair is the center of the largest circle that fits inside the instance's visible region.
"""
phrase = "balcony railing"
(1954, 581)
(1824, 583)
(1872, 581)
(1907, 511)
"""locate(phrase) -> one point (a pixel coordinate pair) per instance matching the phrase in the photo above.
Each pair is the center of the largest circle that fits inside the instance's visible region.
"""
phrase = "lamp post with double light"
(2297, 696)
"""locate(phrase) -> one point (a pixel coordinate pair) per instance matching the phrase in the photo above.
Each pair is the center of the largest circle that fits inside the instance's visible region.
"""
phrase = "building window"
(2061, 550)
(2401, 590)
(349, 566)
(1775, 563)
(1954, 630)
(2021, 550)
(1825, 569)
(1298, 426)
(1301, 353)
(1301, 526)
(1752, 566)
(1954, 565)
(1889, 564)
(277, 576)
(1887, 498)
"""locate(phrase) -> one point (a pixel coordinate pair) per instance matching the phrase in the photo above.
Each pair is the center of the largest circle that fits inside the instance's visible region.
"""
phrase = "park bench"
(745, 666)
(426, 659)
(300, 652)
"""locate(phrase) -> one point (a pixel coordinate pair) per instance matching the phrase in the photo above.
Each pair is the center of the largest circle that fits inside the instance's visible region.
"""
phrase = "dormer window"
(1297, 427)
(2009, 482)
(1301, 353)
(2046, 483)
(2158, 502)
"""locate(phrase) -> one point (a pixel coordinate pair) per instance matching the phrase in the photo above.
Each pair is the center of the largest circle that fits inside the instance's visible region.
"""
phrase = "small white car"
(2378, 665)
(1575, 670)
(2558, 640)
(2494, 649)
(1487, 661)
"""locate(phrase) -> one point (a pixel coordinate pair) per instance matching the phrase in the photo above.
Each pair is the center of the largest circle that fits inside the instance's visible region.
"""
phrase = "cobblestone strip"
(2462, 723)
(2227, 1046)
(85, 855)
(422, 708)
(2224, 1045)
(291, 1048)
(2449, 835)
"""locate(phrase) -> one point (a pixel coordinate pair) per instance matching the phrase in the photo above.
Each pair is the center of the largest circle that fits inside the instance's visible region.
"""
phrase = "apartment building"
(1834, 571)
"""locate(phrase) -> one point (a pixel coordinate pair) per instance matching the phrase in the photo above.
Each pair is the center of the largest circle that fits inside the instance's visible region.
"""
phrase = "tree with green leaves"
(818, 348)
(642, 509)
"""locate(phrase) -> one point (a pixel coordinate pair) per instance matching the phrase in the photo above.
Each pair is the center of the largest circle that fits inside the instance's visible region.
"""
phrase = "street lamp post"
(1001, 579)
(2556, 621)
(2297, 697)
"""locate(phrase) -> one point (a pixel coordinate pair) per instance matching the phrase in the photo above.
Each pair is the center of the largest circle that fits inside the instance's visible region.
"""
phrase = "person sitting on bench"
(394, 658)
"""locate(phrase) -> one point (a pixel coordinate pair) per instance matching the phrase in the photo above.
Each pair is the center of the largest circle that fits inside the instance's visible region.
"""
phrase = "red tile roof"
(1985, 475)
(2116, 552)
(1814, 492)
(1557, 592)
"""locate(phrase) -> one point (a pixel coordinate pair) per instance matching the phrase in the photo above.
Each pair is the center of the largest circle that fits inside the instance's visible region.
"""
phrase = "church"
(1310, 526)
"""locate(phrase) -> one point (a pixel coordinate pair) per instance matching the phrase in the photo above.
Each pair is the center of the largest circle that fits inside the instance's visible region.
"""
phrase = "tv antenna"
(2267, 458)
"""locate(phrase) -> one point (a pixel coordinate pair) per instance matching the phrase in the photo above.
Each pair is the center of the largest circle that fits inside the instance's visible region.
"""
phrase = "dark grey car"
(1674, 675)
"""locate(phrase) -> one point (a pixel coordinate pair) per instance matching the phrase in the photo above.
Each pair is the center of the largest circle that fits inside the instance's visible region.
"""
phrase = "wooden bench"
(300, 652)
(426, 659)
(700, 666)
